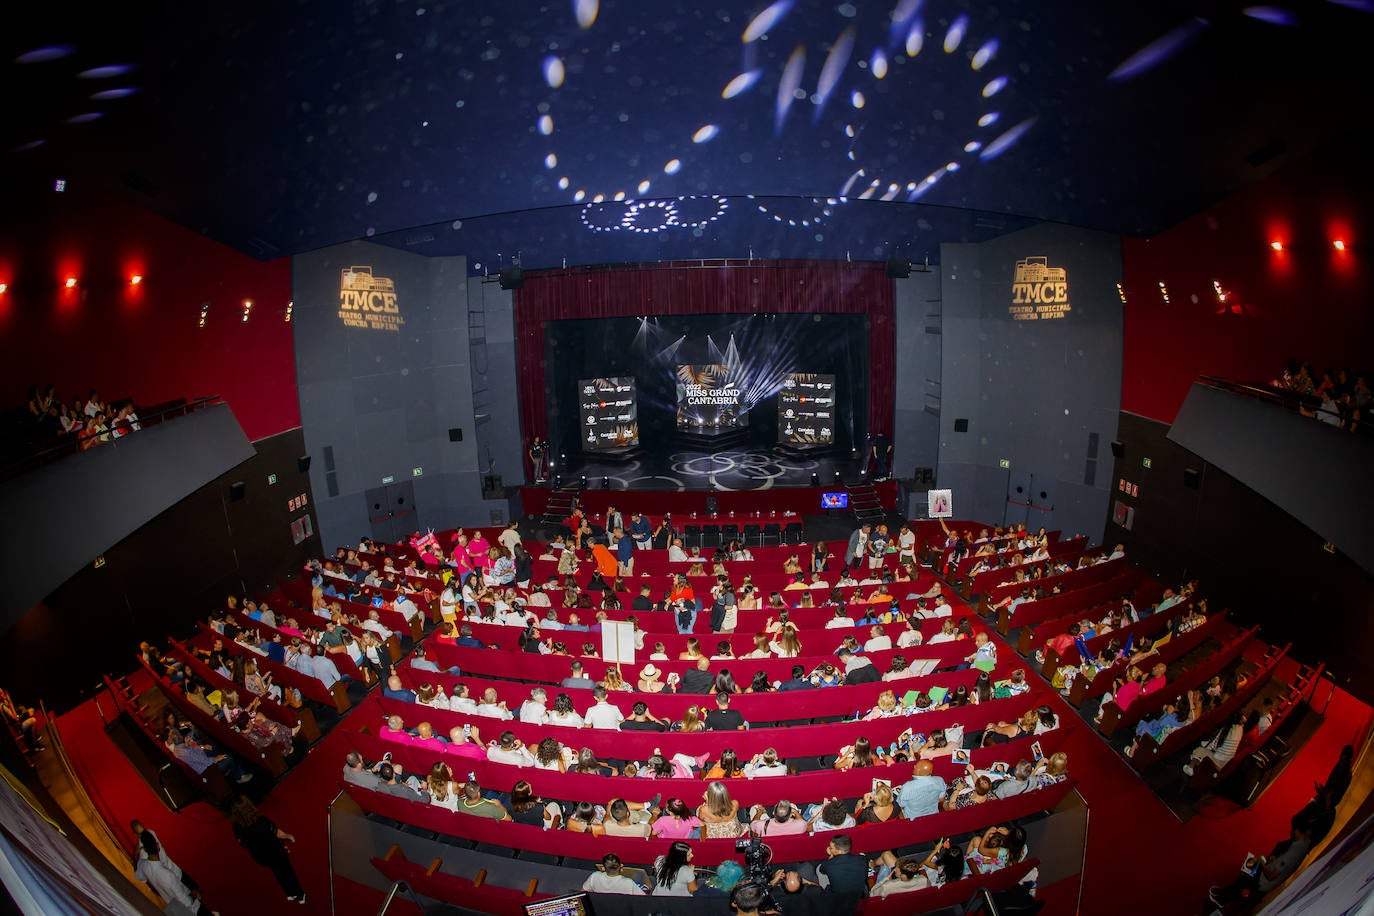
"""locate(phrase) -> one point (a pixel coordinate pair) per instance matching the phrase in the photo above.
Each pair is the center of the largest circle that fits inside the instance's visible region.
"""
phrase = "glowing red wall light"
(1276, 245)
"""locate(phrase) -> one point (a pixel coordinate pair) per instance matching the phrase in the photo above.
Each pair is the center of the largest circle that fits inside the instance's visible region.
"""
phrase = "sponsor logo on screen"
(368, 301)
(1039, 291)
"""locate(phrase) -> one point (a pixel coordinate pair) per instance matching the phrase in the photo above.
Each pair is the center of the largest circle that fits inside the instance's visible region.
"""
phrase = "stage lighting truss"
(647, 217)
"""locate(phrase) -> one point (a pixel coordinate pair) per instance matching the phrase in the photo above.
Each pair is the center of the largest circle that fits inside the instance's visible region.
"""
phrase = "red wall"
(140, 341)
(1308, 301)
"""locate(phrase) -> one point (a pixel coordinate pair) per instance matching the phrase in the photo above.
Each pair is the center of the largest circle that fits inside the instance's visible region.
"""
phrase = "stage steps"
(560, 505)
(865, 503)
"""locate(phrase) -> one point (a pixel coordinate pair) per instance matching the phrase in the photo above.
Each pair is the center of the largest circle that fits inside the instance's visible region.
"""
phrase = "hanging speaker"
(1191, 478)
(1118, 448)
(455, 434)
(961, 425)
(237, 490)
(511, 277)
(303, 463)
(898, 268)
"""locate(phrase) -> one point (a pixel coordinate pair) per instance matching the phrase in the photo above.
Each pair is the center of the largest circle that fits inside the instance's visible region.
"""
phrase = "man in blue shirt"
(641, 531)
(395, 690)
(799, 680)
(466, 638)
(624, 552)
(921, 795)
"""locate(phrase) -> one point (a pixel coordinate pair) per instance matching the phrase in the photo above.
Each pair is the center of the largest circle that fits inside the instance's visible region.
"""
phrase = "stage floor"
(676, 468)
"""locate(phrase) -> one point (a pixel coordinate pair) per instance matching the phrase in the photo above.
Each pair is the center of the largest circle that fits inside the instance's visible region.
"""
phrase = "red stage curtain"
(780, 287)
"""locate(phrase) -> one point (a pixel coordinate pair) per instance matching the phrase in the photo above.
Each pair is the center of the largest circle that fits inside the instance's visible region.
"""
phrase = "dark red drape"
(780, 287)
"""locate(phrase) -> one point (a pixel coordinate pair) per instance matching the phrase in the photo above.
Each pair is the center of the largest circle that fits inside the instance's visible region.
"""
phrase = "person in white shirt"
(510, 749)
(911, 636)
(878, 641)
(602, 714)
(405, 606)
(906, 545)
(1118, 552)
(374, 623)
(765, 764)
(491, 706)
(840, 620)
(514, 616)
(460, 701)
(609, 880)
(675, 552)
(509, 538)
(535, 710)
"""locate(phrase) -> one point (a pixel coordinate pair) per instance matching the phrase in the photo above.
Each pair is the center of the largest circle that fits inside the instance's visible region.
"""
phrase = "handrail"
(72, 444)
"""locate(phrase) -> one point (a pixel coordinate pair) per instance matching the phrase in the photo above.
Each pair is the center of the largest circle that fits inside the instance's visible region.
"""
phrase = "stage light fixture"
(605, 483)
(1338, 244)
(247, 309)
(290, 307)
(204, 313)
(70, 283)
(837, 475)
(815, 479)
(557, 481)
(1276, 245)
(584, 481)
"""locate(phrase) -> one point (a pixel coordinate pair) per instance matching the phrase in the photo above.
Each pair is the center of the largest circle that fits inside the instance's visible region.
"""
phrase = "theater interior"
(286, 289)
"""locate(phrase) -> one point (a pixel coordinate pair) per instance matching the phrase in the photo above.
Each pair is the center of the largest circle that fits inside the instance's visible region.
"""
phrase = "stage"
(677, 468)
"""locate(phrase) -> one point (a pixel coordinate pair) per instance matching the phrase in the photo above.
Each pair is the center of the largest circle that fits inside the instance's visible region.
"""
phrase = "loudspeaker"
(710, 505)
(237, 490)
(455, 434)
(1191, 478)
(511, 277)
(1118, 448)
(898, 268)
(961, 425)
(303, 463)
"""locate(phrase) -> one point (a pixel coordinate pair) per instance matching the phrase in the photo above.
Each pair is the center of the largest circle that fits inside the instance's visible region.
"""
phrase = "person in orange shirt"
(606, 562)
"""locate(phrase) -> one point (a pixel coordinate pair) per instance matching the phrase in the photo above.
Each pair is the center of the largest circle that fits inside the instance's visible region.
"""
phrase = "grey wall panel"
(55, 532)
(1031, 391)
(384, 399)
(916, 433)
(1308, 469)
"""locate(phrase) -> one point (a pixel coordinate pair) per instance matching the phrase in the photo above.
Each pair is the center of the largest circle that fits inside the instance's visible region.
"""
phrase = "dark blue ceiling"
(495, 128)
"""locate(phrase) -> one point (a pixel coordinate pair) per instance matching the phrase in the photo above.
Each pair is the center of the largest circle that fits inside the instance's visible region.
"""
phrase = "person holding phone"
(1271, 871)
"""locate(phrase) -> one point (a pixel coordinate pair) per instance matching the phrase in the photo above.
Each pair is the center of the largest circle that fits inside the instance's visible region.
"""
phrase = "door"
(391, 510)
(1018, 498)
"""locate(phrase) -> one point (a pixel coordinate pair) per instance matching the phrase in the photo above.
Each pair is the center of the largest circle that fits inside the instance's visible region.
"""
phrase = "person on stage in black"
(538, 455)
(880, 456)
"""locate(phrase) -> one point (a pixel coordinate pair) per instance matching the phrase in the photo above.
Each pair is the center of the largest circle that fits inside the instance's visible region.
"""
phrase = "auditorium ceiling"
(608, 130)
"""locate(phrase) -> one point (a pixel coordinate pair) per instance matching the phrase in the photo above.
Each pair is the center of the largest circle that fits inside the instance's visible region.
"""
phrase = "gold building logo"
(366, 301)
(1039, 290)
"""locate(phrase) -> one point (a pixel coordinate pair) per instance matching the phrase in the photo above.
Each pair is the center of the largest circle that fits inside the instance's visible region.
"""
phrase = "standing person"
(263, 840)
(538, 454)
(624, 552)
(163, 875)
(858, 547)
(880, 455)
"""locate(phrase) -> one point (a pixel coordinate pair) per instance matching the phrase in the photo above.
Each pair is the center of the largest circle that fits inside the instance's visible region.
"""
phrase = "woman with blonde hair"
(693, 651)
(877, 807)
(787, 645)
(886, 706)
(614, 680)
(760, 647)
(718, 813)
(692, 721)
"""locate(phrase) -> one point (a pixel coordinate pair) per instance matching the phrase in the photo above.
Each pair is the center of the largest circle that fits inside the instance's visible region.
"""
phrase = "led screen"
(610, 413)
(806, 410)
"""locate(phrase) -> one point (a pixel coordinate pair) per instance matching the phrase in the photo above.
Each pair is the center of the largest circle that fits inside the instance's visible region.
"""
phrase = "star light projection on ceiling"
(880, 44)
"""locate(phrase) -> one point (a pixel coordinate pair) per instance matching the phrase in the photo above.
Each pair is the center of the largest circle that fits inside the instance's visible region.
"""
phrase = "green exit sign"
(417, 472)
(271, 479)
(1004, 462)
(1145, 462)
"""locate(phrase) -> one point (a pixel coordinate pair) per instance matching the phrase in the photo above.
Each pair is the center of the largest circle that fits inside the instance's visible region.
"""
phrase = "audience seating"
(1114, 718)
(1178, 646)
(283, 676)
(1147, 751)
(286, 715)
(213, 781)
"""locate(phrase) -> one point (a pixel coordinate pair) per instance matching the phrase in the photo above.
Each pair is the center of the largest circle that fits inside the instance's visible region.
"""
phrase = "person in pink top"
(465, 744)
(477, 552)
(1156, 680)
(676, 822)
(783, 820)
(1129, 688)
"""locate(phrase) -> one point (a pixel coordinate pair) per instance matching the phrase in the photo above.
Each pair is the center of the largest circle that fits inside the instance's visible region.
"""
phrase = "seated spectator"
(586, 818)
(830, 814)
(841, 619)
(650, 679)
(534, 711)
(798, 680)
(861, 754)
(492, 706)
(1270, 872)
(673, 872)
(907, 874)
(765, 764)
(996, 848)
(886, 707)
(726, 767)
(608, 879)
(698, 679)
(443, 790)
(718, 813)
(642, 720)
(510, 750)
(723, 718)
(622, 821)
(843, 871)
(549, 755)
(1051, 770)
(1221, 747)
(921, 794)
(783, 820)
(858, 669)
(967, 792)
(911, 636)
(877, 807)
(564, 714)
(676, 821)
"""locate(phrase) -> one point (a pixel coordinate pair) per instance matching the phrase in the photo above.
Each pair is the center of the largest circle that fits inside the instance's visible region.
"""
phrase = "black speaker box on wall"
(1118, 448)
(961, 425)
(898, 268)
(237, 490)
(455, 434)
(303, 463)
(511, 277)
(1191, 478)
